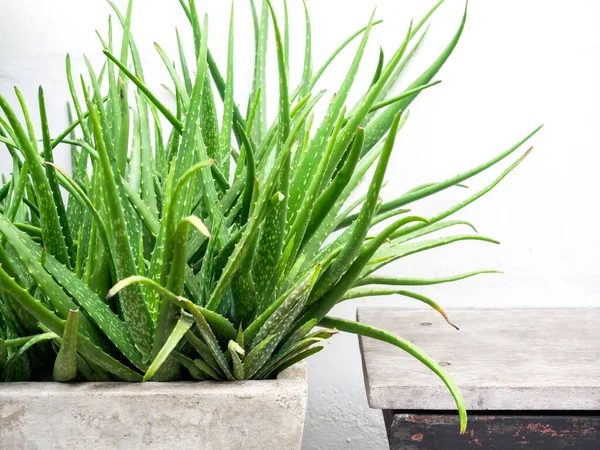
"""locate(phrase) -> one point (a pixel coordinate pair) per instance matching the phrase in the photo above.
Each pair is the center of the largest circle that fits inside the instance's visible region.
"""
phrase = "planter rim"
(295, 375)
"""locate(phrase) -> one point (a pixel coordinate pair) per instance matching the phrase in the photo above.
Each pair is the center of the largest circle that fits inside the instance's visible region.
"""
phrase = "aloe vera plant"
(207, 245)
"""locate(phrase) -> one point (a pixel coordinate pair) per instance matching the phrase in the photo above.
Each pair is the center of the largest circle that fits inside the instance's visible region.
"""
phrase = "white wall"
(519, 64)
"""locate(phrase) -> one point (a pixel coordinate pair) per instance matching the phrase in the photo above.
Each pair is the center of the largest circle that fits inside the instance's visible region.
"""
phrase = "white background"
(519, 63)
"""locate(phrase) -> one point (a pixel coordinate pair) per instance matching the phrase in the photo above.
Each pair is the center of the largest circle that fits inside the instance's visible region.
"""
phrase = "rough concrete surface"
(208, 415)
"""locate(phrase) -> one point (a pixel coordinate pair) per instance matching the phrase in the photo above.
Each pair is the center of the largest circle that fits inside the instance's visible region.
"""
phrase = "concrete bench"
(530, 378)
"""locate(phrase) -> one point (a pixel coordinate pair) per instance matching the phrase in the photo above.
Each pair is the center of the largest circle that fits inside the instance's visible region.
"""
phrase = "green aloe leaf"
(223, 329)
(189, 364)
(339, 49)
(259, 355)
(361, 226)
(274, 324)
(434, 188)
(289, 362)
(132, 301)
(65, 366)
(15, 358)
(3, 354)
(98, 311)
(375, 292)
(392, 252)
(261, 207)
(378, 127)
(259, 82)
(271, 240)
(293, 350)
(50, 222)
(330, 195)
(52, 181)
(207, 363)
(238, 366)
(228, 102)
(305, 171)
(391, 281)
(382, 335)
(184, 323)
(85, 347)
(143, 88)
(211, 341)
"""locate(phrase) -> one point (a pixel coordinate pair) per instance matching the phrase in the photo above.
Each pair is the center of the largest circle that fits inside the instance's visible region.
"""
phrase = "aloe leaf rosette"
(197, 240)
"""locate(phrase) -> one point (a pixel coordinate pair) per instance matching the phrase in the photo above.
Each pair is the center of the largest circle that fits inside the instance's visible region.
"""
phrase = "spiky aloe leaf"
(184, 65)
(207, 358)
(238, 366)
(143, 88)
(228, 103)
(271, 240)
(65, 366)
(259, 355)
(207, 370)
(50, 222)
(17, 358)
(252, 228)
(304, 172)
(98, 311)
(85, 347)
(59, 300)
(250, 174)
(51, 176)
(293, 350)
(275, 326)
(434, 188)
(135, 310)
(188, 363)
(389, 253)
(294, 359)
(260, 63)
(360, 227)
(299, 334)
(17, 196)
(222, 328)
(211, 342)
(184, 323)
(339, 49)
(78, 195)
(329, 196)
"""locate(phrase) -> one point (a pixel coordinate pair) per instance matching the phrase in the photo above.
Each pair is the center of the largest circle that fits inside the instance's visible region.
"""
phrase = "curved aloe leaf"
(222, 327)
(375, 292)
(184, 323)
(382, 335)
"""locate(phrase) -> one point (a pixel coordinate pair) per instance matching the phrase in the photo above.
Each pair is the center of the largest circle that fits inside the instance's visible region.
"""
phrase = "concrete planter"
(187, 415)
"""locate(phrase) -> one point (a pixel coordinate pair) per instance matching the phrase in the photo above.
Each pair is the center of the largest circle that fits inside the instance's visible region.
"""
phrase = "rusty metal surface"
(497, 432)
